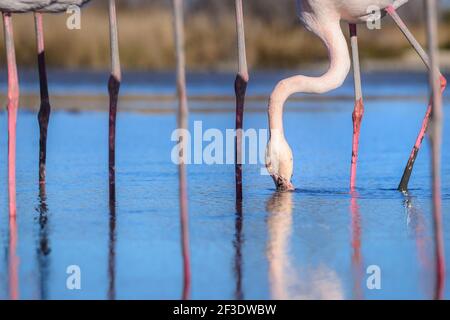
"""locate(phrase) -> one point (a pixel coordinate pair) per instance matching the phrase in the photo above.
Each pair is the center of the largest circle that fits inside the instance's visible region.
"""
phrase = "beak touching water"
(282, 184)
(279, 162)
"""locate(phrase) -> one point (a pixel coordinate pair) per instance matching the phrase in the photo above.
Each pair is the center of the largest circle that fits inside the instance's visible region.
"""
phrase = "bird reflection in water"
(43, 243)
(279, 224)
(416, 224)
(13, 262)
(285, 282)
(415, 221)
(237, 244)
(112, 240)
(357, 260)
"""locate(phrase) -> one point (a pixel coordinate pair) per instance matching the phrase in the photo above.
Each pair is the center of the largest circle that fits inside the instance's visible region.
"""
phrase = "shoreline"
(209, 91)
(408, 62)
(159, 104)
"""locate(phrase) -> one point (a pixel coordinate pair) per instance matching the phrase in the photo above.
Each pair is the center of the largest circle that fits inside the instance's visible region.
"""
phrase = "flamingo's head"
(279, 162)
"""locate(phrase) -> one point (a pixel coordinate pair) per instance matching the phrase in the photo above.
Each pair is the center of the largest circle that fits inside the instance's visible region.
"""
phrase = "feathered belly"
(360, 11)
(62, 5)
(352, 11)
(22, 6)
(18, 6)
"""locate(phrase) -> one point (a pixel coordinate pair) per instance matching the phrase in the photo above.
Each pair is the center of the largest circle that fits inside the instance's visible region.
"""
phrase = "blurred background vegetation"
(275, 36)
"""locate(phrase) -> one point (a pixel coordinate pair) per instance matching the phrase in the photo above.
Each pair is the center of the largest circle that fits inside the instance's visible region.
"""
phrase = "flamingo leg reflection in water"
(357, 259)
(416, 223)
(43, 243)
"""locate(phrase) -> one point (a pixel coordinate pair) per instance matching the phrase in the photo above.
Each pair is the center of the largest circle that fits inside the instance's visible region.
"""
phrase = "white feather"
(348, 10)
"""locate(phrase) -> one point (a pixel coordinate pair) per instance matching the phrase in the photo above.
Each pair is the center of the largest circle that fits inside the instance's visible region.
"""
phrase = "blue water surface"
(316, 242)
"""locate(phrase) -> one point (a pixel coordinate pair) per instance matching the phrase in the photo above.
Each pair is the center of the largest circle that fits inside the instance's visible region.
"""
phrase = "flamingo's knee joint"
(13, 100)
(443, 83)
(390, 9)
(358, 113)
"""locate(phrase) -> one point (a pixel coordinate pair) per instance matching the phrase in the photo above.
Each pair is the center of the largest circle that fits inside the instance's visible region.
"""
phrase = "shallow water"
(210, 83)
(314, 243)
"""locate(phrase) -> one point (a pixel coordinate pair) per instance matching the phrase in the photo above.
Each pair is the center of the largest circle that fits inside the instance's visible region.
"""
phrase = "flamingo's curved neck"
(331, 34)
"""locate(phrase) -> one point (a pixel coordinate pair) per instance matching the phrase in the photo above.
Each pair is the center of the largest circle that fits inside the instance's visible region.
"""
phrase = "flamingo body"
(62, 5)
(23, 6)
(352, 11)
(20, 6)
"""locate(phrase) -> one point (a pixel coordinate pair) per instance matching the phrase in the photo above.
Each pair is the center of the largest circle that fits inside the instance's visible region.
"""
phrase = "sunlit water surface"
(314, 243)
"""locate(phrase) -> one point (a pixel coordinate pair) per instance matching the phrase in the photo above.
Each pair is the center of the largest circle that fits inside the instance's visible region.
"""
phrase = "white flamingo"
(323, 17)
(9, 7)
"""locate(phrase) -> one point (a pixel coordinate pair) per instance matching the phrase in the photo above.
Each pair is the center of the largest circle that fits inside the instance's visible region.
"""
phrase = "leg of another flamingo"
(44, 110)
(240, 87)
(13, 104)
(182, 120)
(403, 186)
(359, 105)
(436, 145)
(113, 89)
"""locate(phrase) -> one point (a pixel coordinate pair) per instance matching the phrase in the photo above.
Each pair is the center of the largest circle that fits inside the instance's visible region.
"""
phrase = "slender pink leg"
(358, 111)
(182, 119)
(437, 115)
(436, 141)
(13, 104)
(44, 111)
(403, 186)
